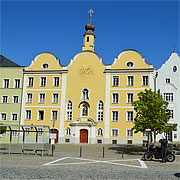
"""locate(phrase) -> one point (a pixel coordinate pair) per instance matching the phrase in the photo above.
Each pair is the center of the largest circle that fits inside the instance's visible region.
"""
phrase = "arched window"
(100, 111)
(69, 109)
(84, 109)
(99, 132)
(85, 94)
(68, 131)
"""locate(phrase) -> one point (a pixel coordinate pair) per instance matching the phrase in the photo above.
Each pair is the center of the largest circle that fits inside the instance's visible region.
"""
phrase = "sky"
(31, 27)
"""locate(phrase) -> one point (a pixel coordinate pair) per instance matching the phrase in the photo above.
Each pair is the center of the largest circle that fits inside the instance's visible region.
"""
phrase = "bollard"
(53, 148)
(103, 151)
(122, 155)
(80, 151)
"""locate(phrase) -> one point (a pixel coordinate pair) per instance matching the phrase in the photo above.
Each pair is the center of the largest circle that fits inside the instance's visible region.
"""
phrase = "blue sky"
(31, 27)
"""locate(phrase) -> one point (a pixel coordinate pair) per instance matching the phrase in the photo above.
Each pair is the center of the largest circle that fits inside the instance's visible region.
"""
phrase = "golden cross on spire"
(174, 48)
(90, 14)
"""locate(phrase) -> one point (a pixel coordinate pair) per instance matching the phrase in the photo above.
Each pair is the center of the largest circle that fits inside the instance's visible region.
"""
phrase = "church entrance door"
(83, 136)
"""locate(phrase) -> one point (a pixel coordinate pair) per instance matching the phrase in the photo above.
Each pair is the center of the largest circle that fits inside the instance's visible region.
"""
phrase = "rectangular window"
(168, 80)
(28, 114)
(56, 81)
(130, 80)
(41, 115)
(41, 98)
(4, 99)
(114, 132)
(171, 114)
(145, 80)
(15, 99)
(27, 131)
(3, 116)
(130, 98)
(40, 131)
(17, 83)
(30, 81)
(115, 98)
(6, 83)
(14, 117)
(100, 115)
(43, 81)
(130, 116)
(29, 97)
(55, 98)
(115, 81)
(14, 133)
(54, 115)
(115, 115)
(144, 134)
(168, 97)
(129, 133)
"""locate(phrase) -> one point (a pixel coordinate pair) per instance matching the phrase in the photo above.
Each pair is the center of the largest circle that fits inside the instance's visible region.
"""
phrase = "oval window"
(45, 66)
(174, 68)
(130, 64)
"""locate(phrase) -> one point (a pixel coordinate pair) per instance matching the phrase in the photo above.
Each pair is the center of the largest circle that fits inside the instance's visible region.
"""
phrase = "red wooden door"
(83, 136)
(56, 132)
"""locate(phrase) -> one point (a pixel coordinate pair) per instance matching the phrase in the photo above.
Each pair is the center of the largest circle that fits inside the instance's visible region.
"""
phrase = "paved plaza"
(67, 164)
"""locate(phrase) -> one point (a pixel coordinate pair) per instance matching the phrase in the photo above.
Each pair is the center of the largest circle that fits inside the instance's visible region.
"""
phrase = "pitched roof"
(4, 62)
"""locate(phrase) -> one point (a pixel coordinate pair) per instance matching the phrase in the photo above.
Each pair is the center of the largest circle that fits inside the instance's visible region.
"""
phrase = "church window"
(84, 109)
(69, 111)
(100, 112)
(68, 131)
(168, 97)
(85, 94)
(88, 39)
(99, 132)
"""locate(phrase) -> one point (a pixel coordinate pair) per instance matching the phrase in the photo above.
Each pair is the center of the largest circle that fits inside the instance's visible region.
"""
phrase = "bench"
(34, 150)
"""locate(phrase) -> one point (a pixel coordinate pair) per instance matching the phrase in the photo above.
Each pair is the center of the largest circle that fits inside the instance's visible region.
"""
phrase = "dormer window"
(85, 94)
(130, 64)
(88, 39)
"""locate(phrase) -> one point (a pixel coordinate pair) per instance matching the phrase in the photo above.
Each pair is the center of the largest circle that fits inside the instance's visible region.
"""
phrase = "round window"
(45, 66)
(130, 64)
(174, 68)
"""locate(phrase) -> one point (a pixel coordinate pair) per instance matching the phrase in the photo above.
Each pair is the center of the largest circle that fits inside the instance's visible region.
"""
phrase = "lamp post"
(156, 75)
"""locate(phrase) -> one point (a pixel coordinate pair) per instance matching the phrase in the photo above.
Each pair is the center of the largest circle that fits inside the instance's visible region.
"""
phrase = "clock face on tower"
(86, 71)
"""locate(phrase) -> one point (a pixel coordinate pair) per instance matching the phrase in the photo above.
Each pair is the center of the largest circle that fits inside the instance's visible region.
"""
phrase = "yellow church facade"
(86, 101)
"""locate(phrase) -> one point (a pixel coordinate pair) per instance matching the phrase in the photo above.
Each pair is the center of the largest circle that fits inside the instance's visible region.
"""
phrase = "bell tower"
(88, 43)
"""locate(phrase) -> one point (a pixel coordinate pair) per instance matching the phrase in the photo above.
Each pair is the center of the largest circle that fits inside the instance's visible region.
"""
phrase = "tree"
(152, 113)
(2, 128)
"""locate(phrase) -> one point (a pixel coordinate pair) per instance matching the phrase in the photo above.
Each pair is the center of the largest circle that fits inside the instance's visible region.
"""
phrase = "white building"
(168, 84)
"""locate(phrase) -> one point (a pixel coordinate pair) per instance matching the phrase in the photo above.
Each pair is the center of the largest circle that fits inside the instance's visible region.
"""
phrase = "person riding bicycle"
(164, 143)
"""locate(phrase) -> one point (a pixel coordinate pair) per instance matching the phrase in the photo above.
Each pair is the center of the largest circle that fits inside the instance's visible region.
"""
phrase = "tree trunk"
(154, 137)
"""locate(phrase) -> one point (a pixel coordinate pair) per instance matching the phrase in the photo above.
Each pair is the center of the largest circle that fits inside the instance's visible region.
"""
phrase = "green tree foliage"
(2, 128)
(152, 113)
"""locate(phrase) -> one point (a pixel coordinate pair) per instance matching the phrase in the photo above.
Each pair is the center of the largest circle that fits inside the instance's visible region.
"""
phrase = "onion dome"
(89, 29)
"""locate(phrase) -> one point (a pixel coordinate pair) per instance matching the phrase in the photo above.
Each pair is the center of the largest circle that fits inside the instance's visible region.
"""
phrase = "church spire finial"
(174, 49)
(90, 14)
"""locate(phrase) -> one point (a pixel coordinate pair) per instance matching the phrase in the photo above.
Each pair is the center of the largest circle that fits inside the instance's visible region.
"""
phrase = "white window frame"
(14, 99)
(100, 132)
(100, 111)
(2, 97)
(3, 113)
(129, 84)
(127, 112)
(84, 104)
(43, 81)
(52, 115)
(113, 81)
(38, 114)
(69, 110)
(127, 134)
(165, 80)
(130, 102)
(172, 118)
(15, 83)
(42, 100)
(115, 120)
(30, 82)
(12, 116)
(117, 102)
(146, 83)
(27, 98)
(53, 99)
(115, 129)
(28, 110)
(169, 96)
(4, 83)
(54, 81)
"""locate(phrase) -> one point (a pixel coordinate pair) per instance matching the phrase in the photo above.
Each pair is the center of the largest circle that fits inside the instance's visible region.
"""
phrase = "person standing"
(164, 143)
